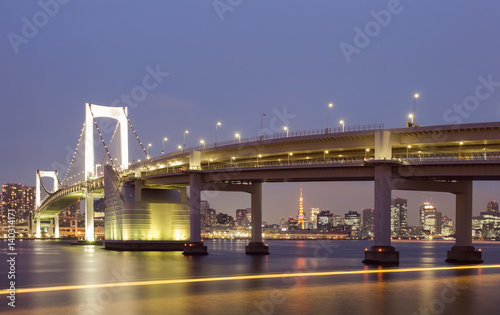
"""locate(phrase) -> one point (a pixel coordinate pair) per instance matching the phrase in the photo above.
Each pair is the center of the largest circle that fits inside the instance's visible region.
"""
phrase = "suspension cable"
(111, 141)
(100, 135)
(74, 154)
(133, 130)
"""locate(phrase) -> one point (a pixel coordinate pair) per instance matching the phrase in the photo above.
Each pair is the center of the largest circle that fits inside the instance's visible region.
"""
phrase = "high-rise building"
(19, 198)
(447, 226)
(337, 220)
(242, 217)
(353, 219)
(314, 218)
(492, 207)
(430, 219)
(301, 211)
(399, 215)
(325, 221)
(368, 221)
(204, 205)
(209, 218)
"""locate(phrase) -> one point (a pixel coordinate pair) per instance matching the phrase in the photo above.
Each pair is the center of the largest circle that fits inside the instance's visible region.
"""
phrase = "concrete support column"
(183, 194)
(89, 218)
(38, 226)
(382, 252)
(463, 252)
(56, 226)
(256, 246)
(195, 245)
(139, 184)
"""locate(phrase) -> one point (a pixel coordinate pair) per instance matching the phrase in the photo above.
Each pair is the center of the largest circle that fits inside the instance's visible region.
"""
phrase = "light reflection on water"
(43, 264)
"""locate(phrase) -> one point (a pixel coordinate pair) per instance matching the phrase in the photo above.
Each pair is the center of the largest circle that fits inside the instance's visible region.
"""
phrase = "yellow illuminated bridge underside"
(247, 277)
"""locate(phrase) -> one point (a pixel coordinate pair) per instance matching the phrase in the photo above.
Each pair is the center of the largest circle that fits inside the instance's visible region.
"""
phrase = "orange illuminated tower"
(301, 211)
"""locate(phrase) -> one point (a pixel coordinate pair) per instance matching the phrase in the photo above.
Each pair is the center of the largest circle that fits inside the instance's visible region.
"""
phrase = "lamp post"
(415, 96)
(411, 117)
(460, 149)
(324, 155)
(147, 150)
(258, 156)
(289, 155)
(163, 147)
(237, 135)
(366, 152)
(407, 151)
(210, 160)
(328, 117)
(184, 143)
(216, 125)
(286, 129)
(261, 124)
(343, 125)
(203, 142)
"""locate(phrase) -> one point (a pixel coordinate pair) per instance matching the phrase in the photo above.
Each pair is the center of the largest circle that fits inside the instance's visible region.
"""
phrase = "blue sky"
(260, 57)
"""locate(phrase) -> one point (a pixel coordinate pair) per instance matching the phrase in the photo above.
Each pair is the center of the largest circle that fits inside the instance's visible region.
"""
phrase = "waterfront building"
(367, 222)
(19, 198)
(399, 216)
(353, 219)
(242, 218)
(325, 221)
(314, 218)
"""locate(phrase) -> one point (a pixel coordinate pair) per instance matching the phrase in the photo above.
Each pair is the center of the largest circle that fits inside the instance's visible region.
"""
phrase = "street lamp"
(415, 96)
(179, 147)
(216, 125)
(460, 149)
(184, 144)
(163, 148)
(328, 117)
(343, 125)
(147, 150)
(261, 123)
(289, 155)
(286, 129)
(366, 152)
(324, 156)
(237, 135)
(407, 150)
(411, 117)
(209, 162)
(203, 142)
(258, 156)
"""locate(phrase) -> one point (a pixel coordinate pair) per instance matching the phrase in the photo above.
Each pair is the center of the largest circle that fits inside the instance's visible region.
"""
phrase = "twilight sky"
(229, 61)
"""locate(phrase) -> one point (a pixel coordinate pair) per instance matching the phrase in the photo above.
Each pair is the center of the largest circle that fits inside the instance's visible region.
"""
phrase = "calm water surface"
(51, 263)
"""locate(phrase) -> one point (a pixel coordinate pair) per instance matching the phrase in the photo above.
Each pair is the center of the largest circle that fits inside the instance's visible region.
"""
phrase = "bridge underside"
(56, 206)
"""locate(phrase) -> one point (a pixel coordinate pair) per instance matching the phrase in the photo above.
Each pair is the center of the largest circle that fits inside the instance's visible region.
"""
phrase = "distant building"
(301, 211)
(399, 215)
(337, 220)
(325, 221)
(224, 219)
(492, 207)
(353, 219)
(368, 221)
(447, 226)
(19, 198)
(293, 224)
(242, 216)
(209, 218)
(314, 218)
(430, 219)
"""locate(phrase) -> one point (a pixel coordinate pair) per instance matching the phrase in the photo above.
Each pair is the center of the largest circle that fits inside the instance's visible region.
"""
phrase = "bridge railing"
(284, 135)
(467, 156)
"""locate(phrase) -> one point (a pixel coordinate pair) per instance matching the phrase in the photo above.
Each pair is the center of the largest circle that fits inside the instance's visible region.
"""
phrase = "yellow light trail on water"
(247, 277)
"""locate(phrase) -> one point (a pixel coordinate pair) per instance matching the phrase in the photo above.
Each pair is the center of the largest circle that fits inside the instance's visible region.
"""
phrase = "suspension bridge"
(148, 201)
